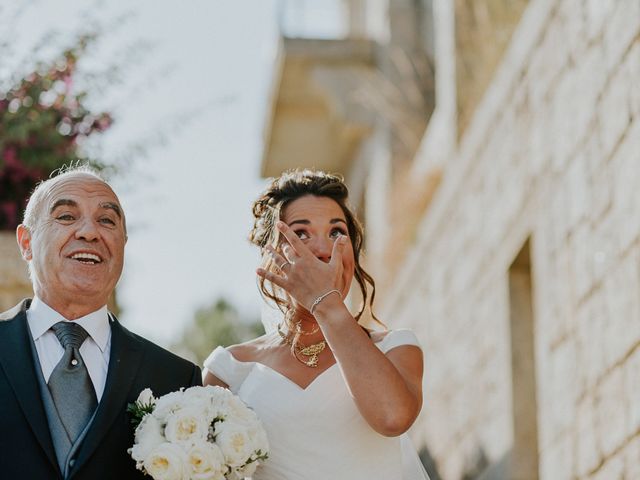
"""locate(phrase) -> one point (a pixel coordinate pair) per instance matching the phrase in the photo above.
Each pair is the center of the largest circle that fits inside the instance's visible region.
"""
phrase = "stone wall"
(483, 31)
(14, 279)
(549, 163)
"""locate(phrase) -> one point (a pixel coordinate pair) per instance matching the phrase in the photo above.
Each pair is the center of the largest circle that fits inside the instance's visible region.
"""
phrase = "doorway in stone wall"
(523, 461)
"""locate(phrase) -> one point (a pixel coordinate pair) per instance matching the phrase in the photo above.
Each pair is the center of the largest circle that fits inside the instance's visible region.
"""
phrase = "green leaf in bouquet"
(138, 410)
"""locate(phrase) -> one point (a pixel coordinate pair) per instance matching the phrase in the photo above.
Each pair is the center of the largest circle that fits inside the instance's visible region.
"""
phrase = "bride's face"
(318, 222)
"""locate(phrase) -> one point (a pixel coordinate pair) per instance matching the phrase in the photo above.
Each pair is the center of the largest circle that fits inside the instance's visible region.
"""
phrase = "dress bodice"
(315, 432)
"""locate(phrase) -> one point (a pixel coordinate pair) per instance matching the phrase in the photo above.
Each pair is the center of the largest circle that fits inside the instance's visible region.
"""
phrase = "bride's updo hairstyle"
(267, 211)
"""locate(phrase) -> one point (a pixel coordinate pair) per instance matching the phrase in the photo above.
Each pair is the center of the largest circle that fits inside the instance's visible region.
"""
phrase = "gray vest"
(65, 450)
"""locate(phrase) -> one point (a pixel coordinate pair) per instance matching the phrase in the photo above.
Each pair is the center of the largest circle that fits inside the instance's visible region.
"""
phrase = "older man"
(68, 368)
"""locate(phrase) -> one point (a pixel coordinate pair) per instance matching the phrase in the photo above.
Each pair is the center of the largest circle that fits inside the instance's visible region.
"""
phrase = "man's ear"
(24, 241)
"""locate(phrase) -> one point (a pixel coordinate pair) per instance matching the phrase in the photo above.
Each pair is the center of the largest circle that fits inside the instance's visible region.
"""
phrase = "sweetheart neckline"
(280, 374)
(295, 384)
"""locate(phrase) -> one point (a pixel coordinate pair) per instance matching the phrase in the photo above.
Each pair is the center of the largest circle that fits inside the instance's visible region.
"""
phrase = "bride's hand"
(302, 275)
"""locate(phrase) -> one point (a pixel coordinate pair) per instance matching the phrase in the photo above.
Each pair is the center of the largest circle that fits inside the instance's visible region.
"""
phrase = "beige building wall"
(524, 281)
(14, 277)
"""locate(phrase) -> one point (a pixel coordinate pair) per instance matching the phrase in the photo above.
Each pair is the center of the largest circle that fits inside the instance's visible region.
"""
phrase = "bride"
(335, 398)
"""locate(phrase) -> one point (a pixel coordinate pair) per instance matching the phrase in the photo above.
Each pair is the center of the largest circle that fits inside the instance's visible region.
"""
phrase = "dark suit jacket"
(26, 449)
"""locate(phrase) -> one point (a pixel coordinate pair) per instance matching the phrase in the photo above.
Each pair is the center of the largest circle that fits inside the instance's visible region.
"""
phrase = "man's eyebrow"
(62, 202)
(112, 206)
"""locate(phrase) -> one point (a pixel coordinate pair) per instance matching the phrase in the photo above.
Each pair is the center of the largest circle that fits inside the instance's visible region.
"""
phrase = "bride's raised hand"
(302, 274)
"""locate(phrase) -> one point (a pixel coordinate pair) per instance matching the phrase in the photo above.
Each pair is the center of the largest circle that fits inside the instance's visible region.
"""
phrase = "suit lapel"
(124, 363)
(16, 360)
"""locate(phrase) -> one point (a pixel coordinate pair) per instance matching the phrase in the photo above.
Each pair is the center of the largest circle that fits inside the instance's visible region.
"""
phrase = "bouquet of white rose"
(197, 433)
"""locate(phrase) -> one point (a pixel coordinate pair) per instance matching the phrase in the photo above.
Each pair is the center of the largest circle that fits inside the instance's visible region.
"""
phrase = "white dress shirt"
(95, 349)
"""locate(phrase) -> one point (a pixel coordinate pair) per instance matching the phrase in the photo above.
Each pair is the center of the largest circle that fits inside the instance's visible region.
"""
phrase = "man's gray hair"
(33, 211)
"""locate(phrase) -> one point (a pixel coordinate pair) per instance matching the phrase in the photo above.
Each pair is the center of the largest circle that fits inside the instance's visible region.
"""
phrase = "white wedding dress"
(317, 433)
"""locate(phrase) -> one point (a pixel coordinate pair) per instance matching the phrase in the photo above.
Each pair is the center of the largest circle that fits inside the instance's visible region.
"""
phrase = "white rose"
(200, 398)
(219, 399)
(146, 397)
(148, 436)
(258, 437)
(186, 425)
(201, 393)
(239, 412)
(167, 404)
(234, 441)
(167, 462)
(206, 462)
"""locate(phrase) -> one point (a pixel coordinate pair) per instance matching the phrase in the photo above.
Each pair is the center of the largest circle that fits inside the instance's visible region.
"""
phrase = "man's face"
(76, 247)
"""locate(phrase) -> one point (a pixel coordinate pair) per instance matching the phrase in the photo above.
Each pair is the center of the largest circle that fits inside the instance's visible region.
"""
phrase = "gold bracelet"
(322, 297)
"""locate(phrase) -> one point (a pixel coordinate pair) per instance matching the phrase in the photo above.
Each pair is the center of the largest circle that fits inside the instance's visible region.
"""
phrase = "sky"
(194, 92)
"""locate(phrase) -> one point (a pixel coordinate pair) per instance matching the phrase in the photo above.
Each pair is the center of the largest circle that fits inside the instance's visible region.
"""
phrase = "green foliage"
(219, 324)
(138, 410)
(43, 120)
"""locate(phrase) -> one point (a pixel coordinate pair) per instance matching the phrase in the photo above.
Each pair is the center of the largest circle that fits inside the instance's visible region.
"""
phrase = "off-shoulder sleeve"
(223, 365)
(397, 338)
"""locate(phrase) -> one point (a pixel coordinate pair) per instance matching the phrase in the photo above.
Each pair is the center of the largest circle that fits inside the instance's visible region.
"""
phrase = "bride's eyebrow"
(307, 222)
(302, 222)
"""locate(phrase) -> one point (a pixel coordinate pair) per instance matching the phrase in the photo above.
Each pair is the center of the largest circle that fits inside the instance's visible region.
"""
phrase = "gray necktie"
(69, 383)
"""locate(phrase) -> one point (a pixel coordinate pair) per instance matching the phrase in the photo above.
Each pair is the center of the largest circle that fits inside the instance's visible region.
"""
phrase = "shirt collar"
(42, 317)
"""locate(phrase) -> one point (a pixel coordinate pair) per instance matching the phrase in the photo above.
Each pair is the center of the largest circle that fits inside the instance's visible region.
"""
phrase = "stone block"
(599, 188)
(563, 390)
(597, 12)
(496, 434)
(575, 95)
(555, 50)
(614, 114)
(547, 431)
(584, 380)
(539, 75)
(581, 247)
(559, 214)
(631, 370)
(625, 166)
(556, 460)
(589, 333)
(585, 439)
(612, 469)
(588, 80)
(632, 66)
(622, 327)
(562, 132)
(632, 459)
(578, 185)
(539, 153)
(605, 243)
(620, 31)
(611, 412)
(575, 26)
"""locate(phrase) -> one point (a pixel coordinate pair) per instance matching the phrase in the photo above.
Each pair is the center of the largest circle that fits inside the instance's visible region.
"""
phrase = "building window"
(523, 464)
